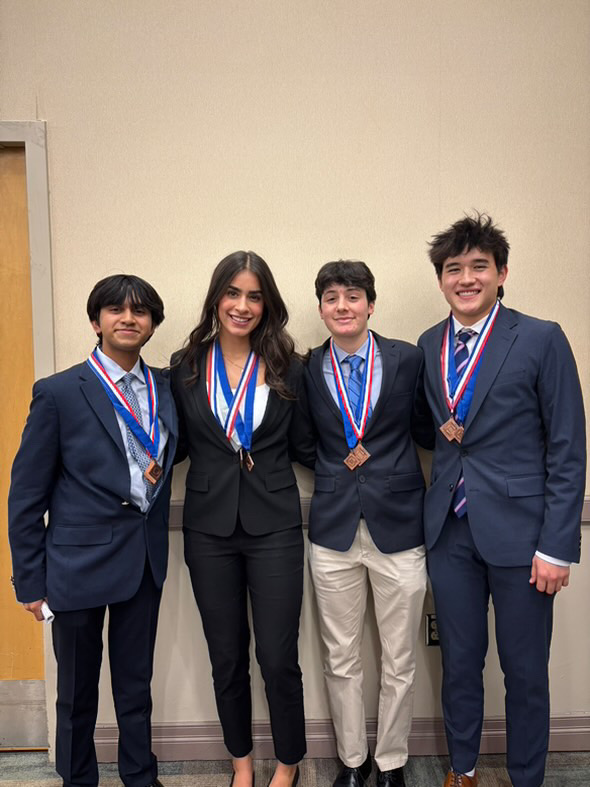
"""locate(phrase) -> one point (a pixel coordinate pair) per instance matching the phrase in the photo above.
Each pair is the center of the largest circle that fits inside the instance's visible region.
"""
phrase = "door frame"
(33, 136)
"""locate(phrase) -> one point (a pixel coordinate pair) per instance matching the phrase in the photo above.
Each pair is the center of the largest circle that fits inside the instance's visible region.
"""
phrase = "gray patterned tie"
(136, 449)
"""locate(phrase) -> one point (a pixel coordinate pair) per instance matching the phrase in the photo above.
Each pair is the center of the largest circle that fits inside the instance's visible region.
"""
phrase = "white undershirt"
(260, 403)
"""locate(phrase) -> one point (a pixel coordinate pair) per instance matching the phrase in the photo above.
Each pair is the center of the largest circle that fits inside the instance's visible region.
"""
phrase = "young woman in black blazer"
(238, 388)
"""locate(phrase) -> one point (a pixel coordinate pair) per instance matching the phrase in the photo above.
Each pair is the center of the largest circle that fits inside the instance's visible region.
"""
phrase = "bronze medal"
(153, 472)
(351, 461)
(361, 453)
(248, 461)
(452, 430)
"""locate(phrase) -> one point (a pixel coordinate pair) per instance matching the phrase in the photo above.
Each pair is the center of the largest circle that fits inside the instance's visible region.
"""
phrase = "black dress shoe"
(354, 777)
(155, 783)
(393, 778)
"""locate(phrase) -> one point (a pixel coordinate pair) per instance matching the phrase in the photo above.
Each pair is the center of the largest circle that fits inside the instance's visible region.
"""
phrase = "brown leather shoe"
(460, 780)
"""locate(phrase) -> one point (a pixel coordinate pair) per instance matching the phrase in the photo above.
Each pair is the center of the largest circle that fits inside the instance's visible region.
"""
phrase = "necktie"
(355, 380)
(136, 449)
(461, 360)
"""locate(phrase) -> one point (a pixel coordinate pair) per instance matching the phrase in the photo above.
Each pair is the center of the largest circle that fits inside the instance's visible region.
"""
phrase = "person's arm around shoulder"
(34, 471)
(422, 422)
(302, 436)
(562, 411)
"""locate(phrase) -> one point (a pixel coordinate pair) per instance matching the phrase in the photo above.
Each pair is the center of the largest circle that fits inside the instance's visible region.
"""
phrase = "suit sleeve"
(562, 411)
(302, 436)
(422, 424)
(34, 471)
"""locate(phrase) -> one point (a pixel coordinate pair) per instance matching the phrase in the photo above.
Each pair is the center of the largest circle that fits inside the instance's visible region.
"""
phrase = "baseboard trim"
(204, 741)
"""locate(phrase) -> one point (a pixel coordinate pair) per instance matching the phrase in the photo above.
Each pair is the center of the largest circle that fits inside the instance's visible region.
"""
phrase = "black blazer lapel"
(316, 373)
(389, 365)
(432, 363)
(98, 400)
(497, 348)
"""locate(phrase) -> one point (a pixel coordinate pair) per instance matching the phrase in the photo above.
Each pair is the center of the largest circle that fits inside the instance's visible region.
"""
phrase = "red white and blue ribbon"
(217, 376)
(149, 440)
(354, 423)
(459, 389)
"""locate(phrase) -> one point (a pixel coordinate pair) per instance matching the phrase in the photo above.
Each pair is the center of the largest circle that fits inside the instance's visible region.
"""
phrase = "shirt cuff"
(555, 560)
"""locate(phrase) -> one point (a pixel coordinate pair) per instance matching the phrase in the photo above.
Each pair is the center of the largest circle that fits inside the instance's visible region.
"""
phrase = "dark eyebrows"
(231, 288)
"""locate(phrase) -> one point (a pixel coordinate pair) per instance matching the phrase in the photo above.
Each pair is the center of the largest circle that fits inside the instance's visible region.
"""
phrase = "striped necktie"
(461, 359)
(354, 384)
(136, 449)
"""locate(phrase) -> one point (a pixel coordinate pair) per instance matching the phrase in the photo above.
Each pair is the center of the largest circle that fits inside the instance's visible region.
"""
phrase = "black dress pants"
(224, 570)
(77, 643)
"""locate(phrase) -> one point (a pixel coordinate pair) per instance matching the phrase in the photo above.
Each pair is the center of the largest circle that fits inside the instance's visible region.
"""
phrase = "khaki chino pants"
(398, 582)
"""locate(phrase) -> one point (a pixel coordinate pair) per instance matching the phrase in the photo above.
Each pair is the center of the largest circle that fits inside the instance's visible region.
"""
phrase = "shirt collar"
(115, 372)
(342, 354)
(476, 327)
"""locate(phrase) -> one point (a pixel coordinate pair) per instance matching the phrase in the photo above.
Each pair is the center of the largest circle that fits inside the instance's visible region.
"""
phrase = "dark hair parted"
(122, 288)
(348, 273)
(471, 232)
(269, 339)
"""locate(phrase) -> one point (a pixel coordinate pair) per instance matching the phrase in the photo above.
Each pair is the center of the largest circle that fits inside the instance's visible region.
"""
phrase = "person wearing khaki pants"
(366, 401)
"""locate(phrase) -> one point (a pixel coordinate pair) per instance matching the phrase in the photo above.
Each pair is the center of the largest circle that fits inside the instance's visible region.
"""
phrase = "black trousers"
(224, 570)
(462, 583)
(77, 643)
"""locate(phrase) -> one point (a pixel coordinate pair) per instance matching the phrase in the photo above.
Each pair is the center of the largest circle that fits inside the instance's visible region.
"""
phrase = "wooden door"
(22, 691)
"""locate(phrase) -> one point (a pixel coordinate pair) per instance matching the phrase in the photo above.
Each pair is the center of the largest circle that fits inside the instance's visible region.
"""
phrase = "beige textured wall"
(308, 131)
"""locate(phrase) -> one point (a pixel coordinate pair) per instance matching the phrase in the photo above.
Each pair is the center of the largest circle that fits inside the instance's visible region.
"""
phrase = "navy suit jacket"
(72, 464)
(389, 488)
(523, 451)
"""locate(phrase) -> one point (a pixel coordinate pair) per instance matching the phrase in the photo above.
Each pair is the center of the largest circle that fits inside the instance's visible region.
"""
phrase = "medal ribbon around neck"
(459, 390)
(149, 441)
(217, 375)
(354, 423)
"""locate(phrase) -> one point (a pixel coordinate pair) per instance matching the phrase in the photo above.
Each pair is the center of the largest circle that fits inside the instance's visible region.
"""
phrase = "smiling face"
(124, 329)
(346, 311)
(470, 284)
(241, 309)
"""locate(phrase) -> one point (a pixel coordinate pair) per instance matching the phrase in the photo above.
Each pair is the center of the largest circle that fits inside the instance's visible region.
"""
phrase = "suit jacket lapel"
(316, 370)
(499, 343)
(166, 413)
(389, 366)
(432, 361)
(92, 389)
(199, 393)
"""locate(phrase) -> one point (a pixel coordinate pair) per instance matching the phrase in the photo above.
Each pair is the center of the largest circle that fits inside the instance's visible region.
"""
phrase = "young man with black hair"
(502, 514)
(96, 455)
(365, 396)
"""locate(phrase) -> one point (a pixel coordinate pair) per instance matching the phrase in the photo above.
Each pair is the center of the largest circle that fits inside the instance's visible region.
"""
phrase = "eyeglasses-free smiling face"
(241, 308)
(346, 312)
(470, 284)
(125, 328)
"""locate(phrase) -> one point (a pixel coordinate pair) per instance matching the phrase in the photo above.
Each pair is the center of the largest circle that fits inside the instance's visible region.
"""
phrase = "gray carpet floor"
(33, 770)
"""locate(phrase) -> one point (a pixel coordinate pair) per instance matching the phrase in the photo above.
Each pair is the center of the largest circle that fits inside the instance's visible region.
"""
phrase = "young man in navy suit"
(96, 455)
(502, 514)
(365, 524)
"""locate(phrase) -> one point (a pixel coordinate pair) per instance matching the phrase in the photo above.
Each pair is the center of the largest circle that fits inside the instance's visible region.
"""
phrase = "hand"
(35, 608)
(548, 577)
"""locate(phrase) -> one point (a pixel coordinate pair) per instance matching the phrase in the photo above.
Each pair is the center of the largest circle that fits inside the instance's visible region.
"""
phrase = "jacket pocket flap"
(197, 481)
(405, 482)
(280, 479)
(82, 535)
(325, 483)
(526, 485)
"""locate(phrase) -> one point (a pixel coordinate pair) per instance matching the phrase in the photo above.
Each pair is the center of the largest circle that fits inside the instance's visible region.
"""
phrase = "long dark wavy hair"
(270, 340)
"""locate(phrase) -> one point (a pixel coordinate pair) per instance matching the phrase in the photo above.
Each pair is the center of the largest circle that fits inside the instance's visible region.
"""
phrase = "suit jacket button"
(464, 452)
(362, 479)
(451, 487)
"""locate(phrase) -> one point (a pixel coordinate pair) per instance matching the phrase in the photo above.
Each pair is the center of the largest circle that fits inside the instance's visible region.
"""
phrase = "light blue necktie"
(355, 381)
